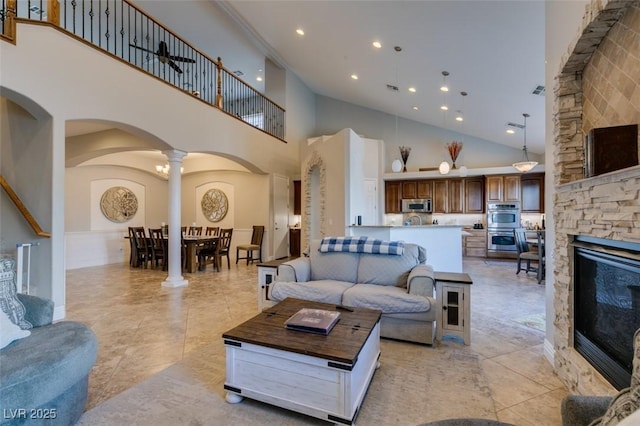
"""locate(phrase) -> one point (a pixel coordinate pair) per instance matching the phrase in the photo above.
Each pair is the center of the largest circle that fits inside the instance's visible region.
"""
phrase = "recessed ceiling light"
(444, 89)
(377, 44)
(258, 78)
(412, 89)
(354, 76)
(444, 108)
(510, 131)
(300, 31)
(459, 118)
(415, 108)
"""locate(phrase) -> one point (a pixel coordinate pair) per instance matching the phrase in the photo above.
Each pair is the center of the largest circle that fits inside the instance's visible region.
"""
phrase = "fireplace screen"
(606, 306)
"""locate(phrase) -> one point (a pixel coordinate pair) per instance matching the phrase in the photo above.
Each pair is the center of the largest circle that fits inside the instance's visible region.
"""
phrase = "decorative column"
(175, 278)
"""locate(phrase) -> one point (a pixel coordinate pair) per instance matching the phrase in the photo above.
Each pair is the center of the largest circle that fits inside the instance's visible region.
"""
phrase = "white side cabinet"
(453, 292)
(267, 273)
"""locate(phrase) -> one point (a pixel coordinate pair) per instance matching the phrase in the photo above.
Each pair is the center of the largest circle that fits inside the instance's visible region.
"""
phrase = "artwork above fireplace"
(606, 305)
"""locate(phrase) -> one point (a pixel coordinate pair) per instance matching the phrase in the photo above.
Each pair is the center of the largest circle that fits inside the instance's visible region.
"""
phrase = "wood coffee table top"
(342, 344)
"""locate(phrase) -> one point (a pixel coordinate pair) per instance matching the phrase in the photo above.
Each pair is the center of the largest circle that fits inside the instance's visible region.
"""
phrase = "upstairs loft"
(121, 30)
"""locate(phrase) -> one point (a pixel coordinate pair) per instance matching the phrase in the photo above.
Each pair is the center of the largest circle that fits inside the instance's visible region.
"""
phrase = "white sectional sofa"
(401, 286)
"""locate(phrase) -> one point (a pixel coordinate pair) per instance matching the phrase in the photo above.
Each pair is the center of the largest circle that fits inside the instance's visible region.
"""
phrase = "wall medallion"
(119, 204)
(214, 205)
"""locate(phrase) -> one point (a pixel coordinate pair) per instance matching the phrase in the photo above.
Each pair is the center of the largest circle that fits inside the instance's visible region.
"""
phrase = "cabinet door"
(440, 196)
(511, 188)
(424, 188)
(474, 195)
(532, 193)
(456, 196)
(392, 197)
(297, 197)
(494, 189)
(409, 189)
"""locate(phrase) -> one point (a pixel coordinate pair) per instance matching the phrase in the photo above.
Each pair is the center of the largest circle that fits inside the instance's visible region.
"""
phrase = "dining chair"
(158, 248)
(143, 251)
(195, 231)
(212, 231)
(541, 257)
(524, 252)
(256, 244)
(224, 245)
(208, 250)
(133, 256)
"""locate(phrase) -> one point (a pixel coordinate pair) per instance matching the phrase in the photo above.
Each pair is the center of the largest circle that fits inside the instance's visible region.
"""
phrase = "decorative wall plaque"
(214, 205)
(119, 204)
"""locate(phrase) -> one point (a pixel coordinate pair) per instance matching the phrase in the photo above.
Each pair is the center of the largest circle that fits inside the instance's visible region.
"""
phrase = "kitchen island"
(442, 242)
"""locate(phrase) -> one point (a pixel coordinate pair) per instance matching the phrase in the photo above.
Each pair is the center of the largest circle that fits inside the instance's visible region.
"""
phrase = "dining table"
(193, 243)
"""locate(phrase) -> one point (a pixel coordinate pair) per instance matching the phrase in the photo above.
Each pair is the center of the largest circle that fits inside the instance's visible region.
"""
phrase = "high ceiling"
(493, 50)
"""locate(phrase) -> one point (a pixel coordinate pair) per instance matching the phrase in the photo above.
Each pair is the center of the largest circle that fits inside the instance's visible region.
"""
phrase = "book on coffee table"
(318, 321)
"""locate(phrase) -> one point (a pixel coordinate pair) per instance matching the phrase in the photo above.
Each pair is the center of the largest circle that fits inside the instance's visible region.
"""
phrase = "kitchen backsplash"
(528, 220)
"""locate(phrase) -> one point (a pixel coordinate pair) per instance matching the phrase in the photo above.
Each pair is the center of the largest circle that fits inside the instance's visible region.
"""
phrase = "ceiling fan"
(163, 56)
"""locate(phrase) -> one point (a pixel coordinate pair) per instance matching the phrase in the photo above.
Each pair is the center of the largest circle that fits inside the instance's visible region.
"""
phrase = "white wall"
(35, 76)
(428, 143)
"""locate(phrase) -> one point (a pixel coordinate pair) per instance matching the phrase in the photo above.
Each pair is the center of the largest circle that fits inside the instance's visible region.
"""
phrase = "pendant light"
(525, 165)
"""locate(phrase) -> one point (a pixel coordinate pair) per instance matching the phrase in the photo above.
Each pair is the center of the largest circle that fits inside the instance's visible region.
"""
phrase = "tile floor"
(143, 328)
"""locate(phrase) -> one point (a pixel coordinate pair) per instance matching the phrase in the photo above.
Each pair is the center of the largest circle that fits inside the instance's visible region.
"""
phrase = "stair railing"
(124, 31)
(23, 209)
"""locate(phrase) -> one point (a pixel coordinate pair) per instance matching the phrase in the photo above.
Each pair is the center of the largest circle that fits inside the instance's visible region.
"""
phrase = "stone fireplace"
(598, 86)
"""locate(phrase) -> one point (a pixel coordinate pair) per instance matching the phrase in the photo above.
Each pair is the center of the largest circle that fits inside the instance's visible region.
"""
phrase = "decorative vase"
(404, 153)
(454, 149)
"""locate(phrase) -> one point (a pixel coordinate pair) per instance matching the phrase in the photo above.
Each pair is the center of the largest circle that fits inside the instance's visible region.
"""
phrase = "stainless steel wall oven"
(502, 219)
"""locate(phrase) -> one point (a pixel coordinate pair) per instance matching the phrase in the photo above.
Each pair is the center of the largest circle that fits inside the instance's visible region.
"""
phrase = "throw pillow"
(9, 302)
(9, 331)
(627, 401)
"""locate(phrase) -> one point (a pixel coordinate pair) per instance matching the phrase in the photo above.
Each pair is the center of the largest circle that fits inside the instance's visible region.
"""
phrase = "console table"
(453, 292)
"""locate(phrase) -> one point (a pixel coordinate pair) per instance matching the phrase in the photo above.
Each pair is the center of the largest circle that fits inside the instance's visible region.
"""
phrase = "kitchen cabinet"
(393, 197)
(475, 244)
(532, 193)
(440, 200)
(456, 196)
(409, 189)
(297, 197)
(501, 188)
(474, 195)
(448, 196)
(424, 189)
(294, 242)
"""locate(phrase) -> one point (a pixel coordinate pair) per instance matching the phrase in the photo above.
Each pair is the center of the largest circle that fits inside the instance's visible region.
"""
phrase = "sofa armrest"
(421, 281)
(579, 410)
(39, 311)
(296, 270)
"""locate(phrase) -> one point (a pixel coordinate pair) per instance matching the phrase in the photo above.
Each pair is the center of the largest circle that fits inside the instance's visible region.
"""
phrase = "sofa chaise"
(44, 376)
(400, 285)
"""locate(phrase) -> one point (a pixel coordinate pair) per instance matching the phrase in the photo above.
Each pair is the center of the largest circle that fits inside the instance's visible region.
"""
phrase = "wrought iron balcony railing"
(124, 31)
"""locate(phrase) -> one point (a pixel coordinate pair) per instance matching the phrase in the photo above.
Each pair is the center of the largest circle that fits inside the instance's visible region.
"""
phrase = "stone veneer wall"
(598, 86)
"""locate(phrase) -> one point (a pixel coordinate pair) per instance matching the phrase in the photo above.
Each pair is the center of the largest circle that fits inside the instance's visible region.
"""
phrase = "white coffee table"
(321, 376)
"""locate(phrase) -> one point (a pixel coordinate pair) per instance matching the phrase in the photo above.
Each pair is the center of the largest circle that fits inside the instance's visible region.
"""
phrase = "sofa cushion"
(333, 266)
(388, 299)
(9, 302)
(390, 270)
(327, 291)
(39, 368)
(9, 331)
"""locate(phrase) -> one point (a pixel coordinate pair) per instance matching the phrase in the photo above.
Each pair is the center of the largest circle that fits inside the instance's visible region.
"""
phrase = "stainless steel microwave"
(419, 205)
